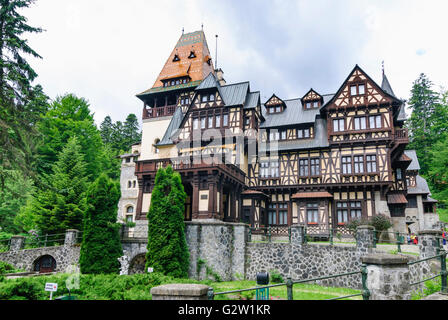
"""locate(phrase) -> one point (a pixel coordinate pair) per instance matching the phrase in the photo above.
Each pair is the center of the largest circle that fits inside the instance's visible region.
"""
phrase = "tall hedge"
(101, 245)
(167, 247)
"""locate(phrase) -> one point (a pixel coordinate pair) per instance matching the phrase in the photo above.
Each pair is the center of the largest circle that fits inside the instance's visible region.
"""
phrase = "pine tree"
(67, 117)
(131, 131)
(428, 121)
(106, 129)
(167, 247)
(62, 205)
(21, 103)
(101, 245)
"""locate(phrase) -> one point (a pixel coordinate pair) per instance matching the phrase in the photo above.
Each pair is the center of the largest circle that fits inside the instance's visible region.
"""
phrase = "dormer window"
(357, 89)
(312, 104)
(208, 97)
(192, 55)
(176, 58)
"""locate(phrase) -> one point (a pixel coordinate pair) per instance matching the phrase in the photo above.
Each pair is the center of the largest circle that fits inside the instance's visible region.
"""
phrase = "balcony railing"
(158, 112)
(402, 134)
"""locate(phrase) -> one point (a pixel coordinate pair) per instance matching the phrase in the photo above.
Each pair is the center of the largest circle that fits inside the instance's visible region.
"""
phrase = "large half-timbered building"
(320, 159)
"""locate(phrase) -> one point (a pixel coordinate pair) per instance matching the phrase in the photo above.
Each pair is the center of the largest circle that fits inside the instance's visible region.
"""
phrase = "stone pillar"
(17, 243)
(192, 235)
(427, 242)
(388, 276)
(297, 235)
(240, 238)
(180, 292)
(364, 239)
(70, 237)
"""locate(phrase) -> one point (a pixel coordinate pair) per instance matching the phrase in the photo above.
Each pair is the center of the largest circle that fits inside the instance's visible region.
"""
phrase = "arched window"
(130, 209)
(134, 184)
(129, 184)
(45, 264)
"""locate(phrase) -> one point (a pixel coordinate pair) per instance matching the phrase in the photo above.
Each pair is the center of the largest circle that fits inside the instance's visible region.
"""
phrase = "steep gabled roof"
(196, 66)
(415, 165)
(174, 125)
(386, 86)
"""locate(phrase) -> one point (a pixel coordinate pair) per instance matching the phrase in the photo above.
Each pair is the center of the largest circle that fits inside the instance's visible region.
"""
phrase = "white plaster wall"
(151, 130)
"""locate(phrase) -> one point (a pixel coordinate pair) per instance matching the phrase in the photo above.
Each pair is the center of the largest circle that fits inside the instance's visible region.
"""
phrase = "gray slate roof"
(320, 140)
(252, 100)
(386, 86)
(293, 114)
(421, 188)
(235, 94)
(415, 165)
(172, 127)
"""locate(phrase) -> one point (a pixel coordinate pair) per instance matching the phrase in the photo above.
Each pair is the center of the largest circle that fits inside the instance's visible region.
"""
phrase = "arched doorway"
(45, 264)
(137, 265)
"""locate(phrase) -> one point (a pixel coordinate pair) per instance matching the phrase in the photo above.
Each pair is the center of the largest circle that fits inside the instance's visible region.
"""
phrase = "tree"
(61, 206)
(67, 117)
(167, 247)
(21, 103)
(101, 245)
(131, 131)
(428, 123)
(106, 129)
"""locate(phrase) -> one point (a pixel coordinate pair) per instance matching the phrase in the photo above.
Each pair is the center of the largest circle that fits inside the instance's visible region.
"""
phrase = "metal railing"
(365, 293)
(443, 274)
(271, 232)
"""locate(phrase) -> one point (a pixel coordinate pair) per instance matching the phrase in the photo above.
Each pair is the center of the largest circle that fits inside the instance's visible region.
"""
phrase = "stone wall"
(65, 256)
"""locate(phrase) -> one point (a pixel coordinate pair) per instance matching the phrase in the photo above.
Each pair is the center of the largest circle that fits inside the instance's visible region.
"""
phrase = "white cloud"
(108, 51)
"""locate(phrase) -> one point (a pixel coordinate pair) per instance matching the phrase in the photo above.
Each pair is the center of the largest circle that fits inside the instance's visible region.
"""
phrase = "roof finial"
(383, 67)
(202, 26)
(183, 30)
(216, 60)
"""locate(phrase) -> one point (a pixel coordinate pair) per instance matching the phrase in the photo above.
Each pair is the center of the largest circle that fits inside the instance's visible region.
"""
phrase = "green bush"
(91, 287)
(167, 247)
(101, 245)
(380, 222)
(276, 277)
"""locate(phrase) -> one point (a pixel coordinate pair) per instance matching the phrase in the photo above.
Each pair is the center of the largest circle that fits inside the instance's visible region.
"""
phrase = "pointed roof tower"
(386, 85)
(191, 57)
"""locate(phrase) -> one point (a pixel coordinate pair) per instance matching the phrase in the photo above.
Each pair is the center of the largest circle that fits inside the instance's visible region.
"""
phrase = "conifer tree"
(101, 245)
(167, 247)
(61, 206)
(21, 103)
(428, 123)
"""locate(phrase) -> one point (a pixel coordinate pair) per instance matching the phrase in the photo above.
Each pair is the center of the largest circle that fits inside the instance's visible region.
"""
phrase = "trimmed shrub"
(101, 244)
(167, 247)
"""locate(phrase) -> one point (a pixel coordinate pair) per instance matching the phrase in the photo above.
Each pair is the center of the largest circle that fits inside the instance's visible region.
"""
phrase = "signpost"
(51, 287)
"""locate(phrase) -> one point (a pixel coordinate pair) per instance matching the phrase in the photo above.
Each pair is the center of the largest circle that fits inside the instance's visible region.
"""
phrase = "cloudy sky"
(109, 50)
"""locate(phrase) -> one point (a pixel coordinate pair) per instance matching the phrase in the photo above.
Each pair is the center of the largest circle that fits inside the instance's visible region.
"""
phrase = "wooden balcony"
(402, 136)
(158, 112)
(182, 166)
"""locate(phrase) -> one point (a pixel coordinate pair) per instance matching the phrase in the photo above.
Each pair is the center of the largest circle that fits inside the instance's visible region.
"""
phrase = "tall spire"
(182, 63)
(386, 85)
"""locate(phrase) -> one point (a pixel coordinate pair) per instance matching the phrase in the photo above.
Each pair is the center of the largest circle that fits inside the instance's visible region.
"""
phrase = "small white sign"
(150, 270)
(51, 287)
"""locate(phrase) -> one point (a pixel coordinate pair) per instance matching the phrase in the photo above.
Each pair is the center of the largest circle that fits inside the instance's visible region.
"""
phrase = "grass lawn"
(300, 291)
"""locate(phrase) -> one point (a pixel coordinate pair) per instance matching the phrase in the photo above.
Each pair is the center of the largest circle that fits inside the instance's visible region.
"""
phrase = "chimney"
(220, 77)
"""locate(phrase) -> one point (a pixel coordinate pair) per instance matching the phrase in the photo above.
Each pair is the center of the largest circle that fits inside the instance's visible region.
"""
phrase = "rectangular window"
(204, 98)
(210, 122)
(278, 214)
(361, 89)
(315, 167)
(339, 125)
(203, 120)
(399, 175)
(274, 135)
(195, 123)
(283, 135)
(225, 120)
(375, 122)
(306, 133)
(412, 202)
(304, 168)
(312, 212)
(264, 170)
(371, 164)
(282, 214)
(212, 97)
(218, 121)
(129, 218)
(358, 162)
(360, 123)
(275, 172)
(346, 165)
(353, 90)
